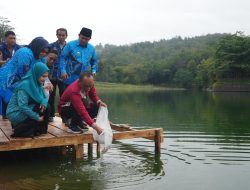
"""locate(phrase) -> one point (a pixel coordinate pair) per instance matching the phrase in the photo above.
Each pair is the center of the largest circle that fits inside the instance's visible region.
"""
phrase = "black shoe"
(51, 119)
(83, 126)
(74, 129)
(66, 121)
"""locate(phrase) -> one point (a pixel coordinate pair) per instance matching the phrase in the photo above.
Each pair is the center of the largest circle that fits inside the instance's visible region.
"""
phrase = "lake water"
(206, 146)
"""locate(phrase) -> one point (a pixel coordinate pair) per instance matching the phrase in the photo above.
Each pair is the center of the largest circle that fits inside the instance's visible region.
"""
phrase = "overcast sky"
(126, 21)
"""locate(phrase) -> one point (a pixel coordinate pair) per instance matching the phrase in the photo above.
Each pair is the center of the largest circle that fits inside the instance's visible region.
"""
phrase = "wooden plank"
(125, 127)
(120, 127)
(45, 136)
(7, 130)
(58, 132)
(3, 138)
(58, 123)
(134, 134)
(50, 142)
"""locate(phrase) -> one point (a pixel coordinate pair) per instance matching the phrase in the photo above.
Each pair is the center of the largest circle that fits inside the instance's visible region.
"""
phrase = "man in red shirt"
(74, 105)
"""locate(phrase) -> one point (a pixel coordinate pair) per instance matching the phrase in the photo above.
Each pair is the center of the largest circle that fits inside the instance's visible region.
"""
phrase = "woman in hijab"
(27, 109)
(12, 72)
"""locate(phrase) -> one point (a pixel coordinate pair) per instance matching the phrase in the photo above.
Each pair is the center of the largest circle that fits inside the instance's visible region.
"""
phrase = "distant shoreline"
(120, 86)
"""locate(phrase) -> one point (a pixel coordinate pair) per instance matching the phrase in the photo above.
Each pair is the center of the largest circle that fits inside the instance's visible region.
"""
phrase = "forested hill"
(183, 62)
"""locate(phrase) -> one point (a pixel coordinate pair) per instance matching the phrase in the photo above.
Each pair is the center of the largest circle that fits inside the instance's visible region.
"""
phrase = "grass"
(119, 86)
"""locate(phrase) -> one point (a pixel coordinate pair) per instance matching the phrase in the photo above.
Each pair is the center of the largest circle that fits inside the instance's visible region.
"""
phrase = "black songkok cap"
(86, 32)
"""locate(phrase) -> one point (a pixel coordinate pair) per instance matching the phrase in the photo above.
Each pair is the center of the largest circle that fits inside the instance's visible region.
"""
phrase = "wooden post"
(98, 150)
(90, 149)
(79, 151)
(64, 150)
(158, 133)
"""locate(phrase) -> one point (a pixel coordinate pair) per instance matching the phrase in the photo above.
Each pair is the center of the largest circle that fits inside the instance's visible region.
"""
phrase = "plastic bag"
(106, 137)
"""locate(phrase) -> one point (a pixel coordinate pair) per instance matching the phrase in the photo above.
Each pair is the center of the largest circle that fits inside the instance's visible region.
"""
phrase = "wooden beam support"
(158, 137)
(120, 127)
(98, 150)
(64, 150)
(125, 127)
(90, 149)
(79, 151)
(26, 143)
(134, 134)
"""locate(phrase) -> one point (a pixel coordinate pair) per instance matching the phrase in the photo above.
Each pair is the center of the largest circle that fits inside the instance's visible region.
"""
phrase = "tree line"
(195, 62)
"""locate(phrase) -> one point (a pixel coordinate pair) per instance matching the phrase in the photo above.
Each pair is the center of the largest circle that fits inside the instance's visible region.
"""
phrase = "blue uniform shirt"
(12, 72)
(54, 70)
(5, 51)
(76, 59)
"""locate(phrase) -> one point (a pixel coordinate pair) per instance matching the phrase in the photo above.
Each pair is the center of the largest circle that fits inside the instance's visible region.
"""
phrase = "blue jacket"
(16, 68)
(76, 59)
(54, 70)
(6, 53)
(20, 107)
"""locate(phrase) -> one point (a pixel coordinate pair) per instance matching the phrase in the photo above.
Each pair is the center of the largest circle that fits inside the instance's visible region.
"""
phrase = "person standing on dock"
(78, 56)
(27, 110)
(12, 72)
(61, 34)
(7, 50)
(74, 104)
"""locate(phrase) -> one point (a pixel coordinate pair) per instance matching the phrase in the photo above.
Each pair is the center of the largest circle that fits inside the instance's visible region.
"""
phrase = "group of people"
(30, 75)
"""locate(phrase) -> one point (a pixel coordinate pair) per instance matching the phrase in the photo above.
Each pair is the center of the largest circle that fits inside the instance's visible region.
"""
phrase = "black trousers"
(30, 127)
(4, 107)
(52, 96)
(68, 112)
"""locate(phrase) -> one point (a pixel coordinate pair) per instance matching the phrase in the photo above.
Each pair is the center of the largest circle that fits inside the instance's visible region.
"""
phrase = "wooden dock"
(58, 136)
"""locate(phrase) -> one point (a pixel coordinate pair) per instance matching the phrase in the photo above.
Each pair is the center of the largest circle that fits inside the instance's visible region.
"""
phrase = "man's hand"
(64, 76)
(49, 87)
(101, 103)
(98, 129)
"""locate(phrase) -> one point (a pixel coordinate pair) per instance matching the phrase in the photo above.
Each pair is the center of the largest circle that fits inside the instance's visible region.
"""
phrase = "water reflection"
(206, 137)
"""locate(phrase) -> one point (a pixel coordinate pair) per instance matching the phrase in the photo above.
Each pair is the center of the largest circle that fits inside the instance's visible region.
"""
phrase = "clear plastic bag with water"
(106, 137)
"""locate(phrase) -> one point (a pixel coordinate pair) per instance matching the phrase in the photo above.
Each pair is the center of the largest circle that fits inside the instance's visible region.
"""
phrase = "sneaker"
(74, 129)
(66, 122)
(51, 119)
(83, 126)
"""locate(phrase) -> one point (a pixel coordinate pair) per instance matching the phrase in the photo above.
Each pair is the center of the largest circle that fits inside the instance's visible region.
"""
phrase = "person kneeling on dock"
(27, 110)
(74, 105)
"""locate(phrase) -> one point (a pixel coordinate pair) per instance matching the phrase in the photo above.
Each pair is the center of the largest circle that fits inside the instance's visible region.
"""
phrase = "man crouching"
(74, 106)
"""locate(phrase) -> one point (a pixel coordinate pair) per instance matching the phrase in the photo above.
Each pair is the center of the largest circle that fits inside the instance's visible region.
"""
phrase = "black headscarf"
(37, 45)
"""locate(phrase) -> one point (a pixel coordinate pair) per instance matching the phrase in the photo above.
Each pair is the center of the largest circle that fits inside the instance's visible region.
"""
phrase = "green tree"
(4, 26)
(232, 58)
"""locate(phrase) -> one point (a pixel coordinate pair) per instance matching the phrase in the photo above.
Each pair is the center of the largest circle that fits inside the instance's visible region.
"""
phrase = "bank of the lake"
(119, 86)
(231, 86)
